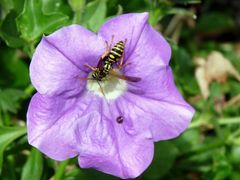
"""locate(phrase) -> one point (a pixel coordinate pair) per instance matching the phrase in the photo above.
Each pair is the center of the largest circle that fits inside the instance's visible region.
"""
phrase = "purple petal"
(145, 47)
(105, 145)
(63, 128)
(163, 119)
(79, 45)
(151, 53)
(53, 122)
(58, 62)
(155, 104)
(50, 125)
(127, 26)
(158, 85)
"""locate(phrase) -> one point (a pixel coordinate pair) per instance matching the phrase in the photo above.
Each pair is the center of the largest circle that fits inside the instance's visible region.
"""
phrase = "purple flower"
(114, 132)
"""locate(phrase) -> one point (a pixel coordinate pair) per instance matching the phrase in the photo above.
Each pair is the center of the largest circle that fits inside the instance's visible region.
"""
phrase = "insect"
(106, 62)
(119, 119)
(105, 67)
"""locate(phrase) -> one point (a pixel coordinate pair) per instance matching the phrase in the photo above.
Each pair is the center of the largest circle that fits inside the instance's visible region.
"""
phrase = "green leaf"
(33, 22)
(235, 155)
(155, 16)
(75, 174)
(184, 67)
(222, 22)
(33, 168)
(89, 174)
(222, 168)
(18, 5)
(9, 31)
(6, 6)
(187, 1)
(77, 5)
(13, 69)
(190, 139)
(95, 14)
(9, 99)
(235, 175)
(58, 6)
(164, 157)
(8, 135)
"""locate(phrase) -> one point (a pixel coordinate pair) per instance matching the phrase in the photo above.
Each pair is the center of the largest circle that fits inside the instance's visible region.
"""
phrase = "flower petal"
(105, 145)
(164, 119)
(53, 122)
(79, 45)
(152, 52)
(127, 26)
(156, 105)
(145, 49)
(59, 59)
(63, 128)
(48, 122)
(115, 153)
(158, 85)
(135, 151)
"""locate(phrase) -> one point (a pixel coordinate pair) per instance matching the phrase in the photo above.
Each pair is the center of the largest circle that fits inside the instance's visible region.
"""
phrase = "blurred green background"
(209, 149)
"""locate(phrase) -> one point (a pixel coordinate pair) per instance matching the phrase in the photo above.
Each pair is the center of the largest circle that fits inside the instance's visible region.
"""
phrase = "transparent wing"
(124, 77)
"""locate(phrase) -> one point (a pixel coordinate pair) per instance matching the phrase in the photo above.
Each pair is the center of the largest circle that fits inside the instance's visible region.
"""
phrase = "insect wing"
(100, 62)
(124, 77)
(130, 78)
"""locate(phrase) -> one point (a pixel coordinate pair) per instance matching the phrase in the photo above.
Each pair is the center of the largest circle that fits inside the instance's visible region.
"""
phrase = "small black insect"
(119, 119)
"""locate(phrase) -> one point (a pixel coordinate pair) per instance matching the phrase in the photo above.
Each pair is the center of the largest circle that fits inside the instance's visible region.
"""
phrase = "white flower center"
(110, 89)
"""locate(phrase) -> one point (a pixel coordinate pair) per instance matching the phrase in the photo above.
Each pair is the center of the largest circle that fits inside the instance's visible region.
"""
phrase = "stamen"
(111, 87)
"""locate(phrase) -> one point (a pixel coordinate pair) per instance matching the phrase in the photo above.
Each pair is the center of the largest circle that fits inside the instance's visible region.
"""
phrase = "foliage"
(209, 149)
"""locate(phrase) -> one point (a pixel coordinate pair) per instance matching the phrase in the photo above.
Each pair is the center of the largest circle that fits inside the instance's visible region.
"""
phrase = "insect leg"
(120, 67)
(108, 48)
(90, 67)
(106, 52)
(110, 45)
(85, 78)
(121, 62)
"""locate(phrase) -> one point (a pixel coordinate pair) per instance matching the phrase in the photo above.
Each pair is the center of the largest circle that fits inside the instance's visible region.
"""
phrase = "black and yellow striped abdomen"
(116, 52)
(113, 56)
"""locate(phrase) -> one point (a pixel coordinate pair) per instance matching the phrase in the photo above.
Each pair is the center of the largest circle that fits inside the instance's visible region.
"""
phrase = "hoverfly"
(106, 62)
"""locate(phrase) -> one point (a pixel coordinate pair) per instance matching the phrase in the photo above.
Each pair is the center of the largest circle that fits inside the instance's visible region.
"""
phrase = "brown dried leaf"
(203, 83)
(215, 68)
(218, 68)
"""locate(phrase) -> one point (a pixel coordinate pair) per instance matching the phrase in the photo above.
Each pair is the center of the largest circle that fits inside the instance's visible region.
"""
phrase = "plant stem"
(234, 135)
(203, 149)
(172, 25)
(29, 90)
(78, 8)
(221, 121)
(226, 121)
(11, 167)
(60, 170)
(77, 17)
